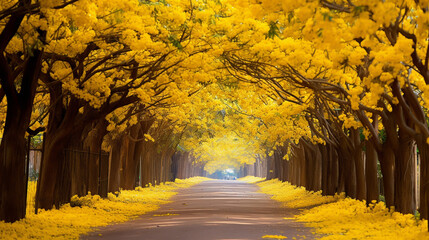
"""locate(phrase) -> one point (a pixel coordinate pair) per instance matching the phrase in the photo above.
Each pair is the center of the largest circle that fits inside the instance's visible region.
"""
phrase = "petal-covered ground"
(338, 217)
(90, 212)
(213, 210)
(217, 210)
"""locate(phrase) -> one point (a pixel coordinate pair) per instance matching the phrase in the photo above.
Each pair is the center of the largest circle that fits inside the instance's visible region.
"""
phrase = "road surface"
(212, 210)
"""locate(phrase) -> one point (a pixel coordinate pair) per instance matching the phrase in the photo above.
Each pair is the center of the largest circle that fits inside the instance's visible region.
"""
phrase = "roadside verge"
(84, 214)
(340, 217)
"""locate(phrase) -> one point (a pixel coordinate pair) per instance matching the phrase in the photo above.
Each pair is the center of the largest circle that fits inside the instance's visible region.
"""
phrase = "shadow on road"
(212, 210)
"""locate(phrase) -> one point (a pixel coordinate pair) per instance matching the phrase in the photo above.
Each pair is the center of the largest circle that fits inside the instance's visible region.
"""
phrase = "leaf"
(175, 42)
(274, 31)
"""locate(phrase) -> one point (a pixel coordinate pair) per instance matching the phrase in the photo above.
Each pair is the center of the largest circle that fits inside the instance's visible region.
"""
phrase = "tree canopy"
(313, 83)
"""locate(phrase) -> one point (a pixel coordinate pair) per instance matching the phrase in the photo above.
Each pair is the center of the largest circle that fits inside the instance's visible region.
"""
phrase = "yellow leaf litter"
(90, 212)
(338, 217)
(274, 236)
(251, 179)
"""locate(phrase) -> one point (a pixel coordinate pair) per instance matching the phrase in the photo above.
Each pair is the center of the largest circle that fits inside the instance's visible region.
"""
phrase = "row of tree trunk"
(257, 169)
(133, 161)
(335, 169)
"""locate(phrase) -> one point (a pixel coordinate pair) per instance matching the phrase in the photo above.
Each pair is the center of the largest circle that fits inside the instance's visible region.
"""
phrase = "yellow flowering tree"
(122, 55)
(21, 50)
(363, 58)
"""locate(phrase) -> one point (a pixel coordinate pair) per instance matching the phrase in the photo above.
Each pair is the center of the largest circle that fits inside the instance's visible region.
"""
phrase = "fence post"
(88, 158)
(36, 204)
(99, 174)
(27, 165)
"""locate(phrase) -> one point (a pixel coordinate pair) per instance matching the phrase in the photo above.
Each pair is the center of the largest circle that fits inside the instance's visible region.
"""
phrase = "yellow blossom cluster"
(223, 153)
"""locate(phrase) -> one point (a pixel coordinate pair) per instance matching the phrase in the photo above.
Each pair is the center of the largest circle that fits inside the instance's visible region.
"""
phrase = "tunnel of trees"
(329, 95)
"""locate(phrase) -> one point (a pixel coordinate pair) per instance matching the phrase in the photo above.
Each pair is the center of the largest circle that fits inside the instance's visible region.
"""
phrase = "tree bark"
(146, 163)
(270, 167)
(127, 148)
(63, 131)
(51, 170)
(93, 143)
(129, 163)
(115, 162)
(302, 166)
(405, 198)
(359, 166)
(325, 168)
(12, 148)
(371, 173)
(341, 172)
(12, 178)
(333, 171)
(371, 158)
(424, 177)
(387, 163)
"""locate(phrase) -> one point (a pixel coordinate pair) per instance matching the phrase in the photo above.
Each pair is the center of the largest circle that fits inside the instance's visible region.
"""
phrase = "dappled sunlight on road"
(213, 210)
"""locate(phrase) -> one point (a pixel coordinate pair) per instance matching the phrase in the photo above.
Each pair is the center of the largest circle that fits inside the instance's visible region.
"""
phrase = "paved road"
(212, 210)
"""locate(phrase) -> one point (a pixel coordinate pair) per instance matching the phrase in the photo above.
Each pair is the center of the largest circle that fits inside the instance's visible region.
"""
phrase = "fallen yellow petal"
(274, 236)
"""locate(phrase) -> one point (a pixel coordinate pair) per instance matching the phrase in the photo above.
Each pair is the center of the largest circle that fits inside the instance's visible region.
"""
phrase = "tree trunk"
(115, 165)
(325, 168)
(168, 164)
(333, 171)
(61, 126)
(12, 178)
(93, 143)
(278, 168)
(175, 164)
(341, 172)
(424, 177)
(132, 168)
(129, 163)
(404, 175)
(359, 166)
(270, 167)
(179, 164)
(302, 166)
(371, 173)
(317, 175)
(52, 169)
(295, 162)
(157, 165)
(313, 171)
(13, 183)
(146, 163)
(309, 170)
(387, 164)
(125, 153)
(286, 165)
